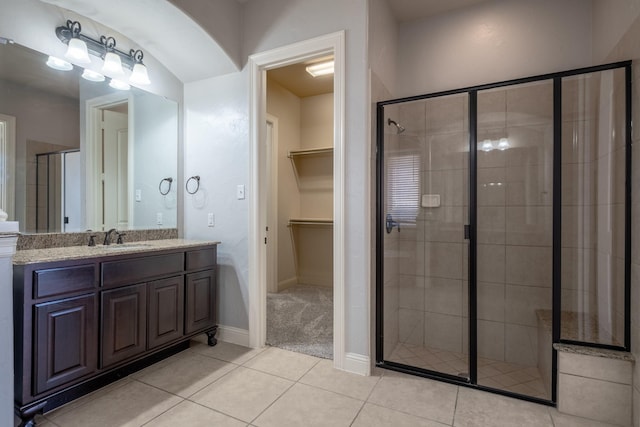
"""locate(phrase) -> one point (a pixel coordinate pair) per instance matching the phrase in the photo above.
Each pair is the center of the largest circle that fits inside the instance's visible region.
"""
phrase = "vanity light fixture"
(321, 68)
(59, 64)
(139, 75)
(92, 76)
(112, 63)
(77, 49)
(105, 48)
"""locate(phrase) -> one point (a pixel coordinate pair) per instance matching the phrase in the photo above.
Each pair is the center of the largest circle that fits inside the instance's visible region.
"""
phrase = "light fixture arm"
(98, 48)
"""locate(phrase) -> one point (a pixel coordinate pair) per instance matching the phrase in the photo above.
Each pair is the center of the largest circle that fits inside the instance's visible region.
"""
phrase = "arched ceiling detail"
(164, 31)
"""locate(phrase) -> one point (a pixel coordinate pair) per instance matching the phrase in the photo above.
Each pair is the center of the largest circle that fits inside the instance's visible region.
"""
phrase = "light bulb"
(487, 145)
(112, 65)
(59, 64)
(77, 52)
(119, 84)
(92, 76)
(139, 75)
(503, 144)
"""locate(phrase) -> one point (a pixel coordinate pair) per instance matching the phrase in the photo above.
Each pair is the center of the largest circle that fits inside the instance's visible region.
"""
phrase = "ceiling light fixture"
(59, 64)
(105, 48)
(321, 68)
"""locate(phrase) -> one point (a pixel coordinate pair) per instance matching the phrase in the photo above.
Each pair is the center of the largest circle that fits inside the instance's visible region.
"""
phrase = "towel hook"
(169, 180)
(197, 179)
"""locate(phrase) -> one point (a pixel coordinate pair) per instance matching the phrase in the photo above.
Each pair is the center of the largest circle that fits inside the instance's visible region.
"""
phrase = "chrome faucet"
(107, 237)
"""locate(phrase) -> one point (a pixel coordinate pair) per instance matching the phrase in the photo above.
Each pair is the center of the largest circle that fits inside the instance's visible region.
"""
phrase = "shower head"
(399, 128)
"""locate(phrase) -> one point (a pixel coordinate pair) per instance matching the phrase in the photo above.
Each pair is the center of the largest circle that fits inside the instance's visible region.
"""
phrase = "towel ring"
(197, 180)
(169, 180)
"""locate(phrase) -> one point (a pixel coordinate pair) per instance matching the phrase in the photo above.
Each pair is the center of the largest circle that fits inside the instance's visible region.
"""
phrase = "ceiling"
(296, 79)
(412, 10)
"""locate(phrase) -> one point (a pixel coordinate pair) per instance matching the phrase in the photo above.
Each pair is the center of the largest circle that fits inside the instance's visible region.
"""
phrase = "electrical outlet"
(240, 192)
(138, 195)
(211, 220)
(159, 218)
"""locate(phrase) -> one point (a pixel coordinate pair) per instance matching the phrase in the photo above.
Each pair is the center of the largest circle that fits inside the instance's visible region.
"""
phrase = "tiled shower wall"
(514, 224)
(593, 158)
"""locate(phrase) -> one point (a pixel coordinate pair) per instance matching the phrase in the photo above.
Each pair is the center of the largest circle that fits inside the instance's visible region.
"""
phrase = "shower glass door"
(425, 208)
(515, 237)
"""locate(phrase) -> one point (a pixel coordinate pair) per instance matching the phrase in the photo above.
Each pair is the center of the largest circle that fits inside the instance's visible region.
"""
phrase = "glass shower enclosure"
(503, 227)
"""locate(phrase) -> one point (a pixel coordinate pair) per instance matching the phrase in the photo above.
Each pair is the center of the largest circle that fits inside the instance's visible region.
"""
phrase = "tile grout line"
(455, 406)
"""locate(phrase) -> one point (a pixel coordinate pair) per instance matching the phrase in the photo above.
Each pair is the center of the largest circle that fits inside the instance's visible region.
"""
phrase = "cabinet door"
(124, 323)
(201, 307)
(166, 311)
(65, 340)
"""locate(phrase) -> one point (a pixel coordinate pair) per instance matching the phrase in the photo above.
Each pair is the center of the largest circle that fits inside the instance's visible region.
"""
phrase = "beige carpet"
(300, 319)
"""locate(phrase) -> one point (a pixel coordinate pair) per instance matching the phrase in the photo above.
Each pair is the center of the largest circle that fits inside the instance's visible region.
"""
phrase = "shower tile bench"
(593, 383)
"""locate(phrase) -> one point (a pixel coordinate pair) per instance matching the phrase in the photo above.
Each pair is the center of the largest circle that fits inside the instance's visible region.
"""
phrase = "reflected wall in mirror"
(126, 143)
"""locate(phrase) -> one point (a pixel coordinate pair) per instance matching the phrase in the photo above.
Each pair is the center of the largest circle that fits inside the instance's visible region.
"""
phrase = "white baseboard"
(357, 364)
(233, 335)
(287, 283)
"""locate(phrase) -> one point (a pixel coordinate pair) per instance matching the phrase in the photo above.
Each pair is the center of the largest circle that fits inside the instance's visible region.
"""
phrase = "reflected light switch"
(430, 200)
(138, 195)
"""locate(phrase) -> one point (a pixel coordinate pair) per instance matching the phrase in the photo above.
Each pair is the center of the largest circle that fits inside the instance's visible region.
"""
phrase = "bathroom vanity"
(86, 316)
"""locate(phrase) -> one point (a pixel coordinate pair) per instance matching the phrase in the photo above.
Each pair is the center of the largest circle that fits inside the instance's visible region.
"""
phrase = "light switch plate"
(159, 218)
(211, 220)
(240, 192)
(430, 200)
(138, 195)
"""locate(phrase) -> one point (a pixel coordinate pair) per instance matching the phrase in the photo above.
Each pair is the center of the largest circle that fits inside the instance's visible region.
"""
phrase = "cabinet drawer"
(58, 281)
(136, 270)
(203, 258)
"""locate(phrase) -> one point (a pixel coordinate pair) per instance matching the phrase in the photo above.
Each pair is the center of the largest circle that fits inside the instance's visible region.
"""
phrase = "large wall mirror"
(87, 156)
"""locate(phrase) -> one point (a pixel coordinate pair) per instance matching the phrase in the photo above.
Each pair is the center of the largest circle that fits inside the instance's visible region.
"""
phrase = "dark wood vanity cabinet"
(78, 323)
(65, 341)
(165, 311)
(124, 323)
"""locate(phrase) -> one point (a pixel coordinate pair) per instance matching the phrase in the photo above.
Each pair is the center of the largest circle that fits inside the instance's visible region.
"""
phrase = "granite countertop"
(32, 256)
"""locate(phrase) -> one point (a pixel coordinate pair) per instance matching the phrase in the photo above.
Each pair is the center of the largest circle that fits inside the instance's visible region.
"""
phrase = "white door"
(115, 206)
(71, 188)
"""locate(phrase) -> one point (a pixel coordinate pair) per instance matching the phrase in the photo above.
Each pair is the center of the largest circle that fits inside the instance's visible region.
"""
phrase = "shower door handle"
(390, 223)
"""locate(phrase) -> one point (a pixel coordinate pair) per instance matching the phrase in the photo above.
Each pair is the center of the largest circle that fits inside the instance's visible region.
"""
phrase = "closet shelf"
(310, 221)
(310, 152)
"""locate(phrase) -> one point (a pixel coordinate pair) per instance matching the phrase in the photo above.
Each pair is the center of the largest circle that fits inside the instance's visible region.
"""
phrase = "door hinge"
(265, 240)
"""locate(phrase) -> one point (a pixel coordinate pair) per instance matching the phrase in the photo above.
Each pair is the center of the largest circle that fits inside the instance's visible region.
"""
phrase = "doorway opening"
(108, 163)
(260, 64)
(299, 194)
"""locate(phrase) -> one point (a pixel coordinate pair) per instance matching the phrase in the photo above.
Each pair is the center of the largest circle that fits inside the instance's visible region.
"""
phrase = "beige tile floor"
(491, 373)
(229, 385)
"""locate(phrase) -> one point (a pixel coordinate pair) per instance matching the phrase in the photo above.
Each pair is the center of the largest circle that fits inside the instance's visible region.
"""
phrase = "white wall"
(270, 24)
(155, 132)
(491, 42)
(383, 44)
(611, 20)
(217, 149)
